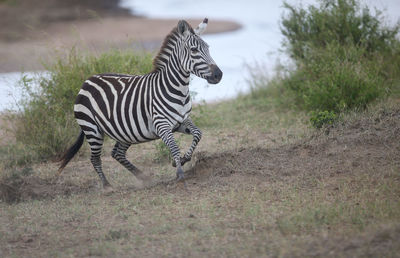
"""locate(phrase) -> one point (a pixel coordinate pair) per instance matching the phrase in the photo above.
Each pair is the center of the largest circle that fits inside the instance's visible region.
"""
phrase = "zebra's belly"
(130, 132)
(132, 140)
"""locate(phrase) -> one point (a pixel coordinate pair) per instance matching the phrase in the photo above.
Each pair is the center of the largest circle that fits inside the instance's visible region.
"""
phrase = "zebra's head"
(196, 56)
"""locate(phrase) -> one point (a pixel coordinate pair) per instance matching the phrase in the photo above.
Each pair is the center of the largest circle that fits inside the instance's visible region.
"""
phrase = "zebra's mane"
(169, 40)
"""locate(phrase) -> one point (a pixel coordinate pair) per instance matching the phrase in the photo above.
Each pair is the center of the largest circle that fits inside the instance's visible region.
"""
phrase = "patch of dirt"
(383, 242)
(21, 188)
(368, 145)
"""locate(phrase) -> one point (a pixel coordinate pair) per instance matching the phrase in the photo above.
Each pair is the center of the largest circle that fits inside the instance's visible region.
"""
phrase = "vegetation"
(343, 22)
(246, 195)
(344, 58)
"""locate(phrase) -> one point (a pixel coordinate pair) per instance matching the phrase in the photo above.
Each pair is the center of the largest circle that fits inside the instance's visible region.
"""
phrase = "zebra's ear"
(202, 27)
(183, 28)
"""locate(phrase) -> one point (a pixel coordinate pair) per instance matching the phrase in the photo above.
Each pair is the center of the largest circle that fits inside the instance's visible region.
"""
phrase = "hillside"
(333, 194)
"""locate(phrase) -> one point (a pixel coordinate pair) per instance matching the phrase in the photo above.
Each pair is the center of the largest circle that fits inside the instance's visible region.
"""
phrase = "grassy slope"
(262, 183)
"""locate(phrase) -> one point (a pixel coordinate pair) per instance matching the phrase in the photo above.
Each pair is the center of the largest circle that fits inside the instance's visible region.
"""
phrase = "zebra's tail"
(70, 153)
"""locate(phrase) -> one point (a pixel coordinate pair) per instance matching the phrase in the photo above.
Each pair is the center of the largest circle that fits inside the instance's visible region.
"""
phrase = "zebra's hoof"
(180, 175)
(183, 161)
(108, 189)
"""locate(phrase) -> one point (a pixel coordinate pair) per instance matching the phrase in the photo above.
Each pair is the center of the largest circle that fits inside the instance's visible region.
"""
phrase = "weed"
(201, 114)
(163, 154)
(117, 234)
(319, 119)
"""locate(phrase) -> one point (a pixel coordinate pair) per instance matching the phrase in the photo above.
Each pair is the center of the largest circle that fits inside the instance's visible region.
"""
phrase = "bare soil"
(365, 146)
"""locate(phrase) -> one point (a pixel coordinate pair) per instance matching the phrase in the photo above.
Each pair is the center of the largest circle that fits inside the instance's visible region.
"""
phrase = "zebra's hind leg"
(119, 153)
(96, 144)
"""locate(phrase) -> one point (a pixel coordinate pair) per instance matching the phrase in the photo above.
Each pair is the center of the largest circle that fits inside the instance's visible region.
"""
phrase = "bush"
(337, 79)
(344, 56)
(46, 124)
(343, 22)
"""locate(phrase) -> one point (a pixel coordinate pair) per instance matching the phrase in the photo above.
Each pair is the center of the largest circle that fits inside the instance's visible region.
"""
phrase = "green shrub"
(343, 22)
(46, 125)
(344, 56)
(337, 78)
(319, 119)
(163, 154)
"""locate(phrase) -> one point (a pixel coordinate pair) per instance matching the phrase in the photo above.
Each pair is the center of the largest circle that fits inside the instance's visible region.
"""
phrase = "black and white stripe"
(138, 108)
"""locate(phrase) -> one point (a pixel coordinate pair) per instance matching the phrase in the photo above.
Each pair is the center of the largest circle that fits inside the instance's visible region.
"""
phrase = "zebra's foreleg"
(189, 128)
(168, 138)
(119, 154)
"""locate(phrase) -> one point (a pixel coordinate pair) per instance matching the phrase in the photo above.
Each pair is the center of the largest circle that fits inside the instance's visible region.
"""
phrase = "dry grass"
(251, 192)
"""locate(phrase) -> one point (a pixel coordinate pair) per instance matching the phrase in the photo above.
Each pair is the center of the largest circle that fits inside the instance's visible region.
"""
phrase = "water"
(9, 92)
(258, 41)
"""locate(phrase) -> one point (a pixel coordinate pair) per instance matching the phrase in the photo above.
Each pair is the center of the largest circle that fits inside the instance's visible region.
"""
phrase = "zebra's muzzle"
(216, 75)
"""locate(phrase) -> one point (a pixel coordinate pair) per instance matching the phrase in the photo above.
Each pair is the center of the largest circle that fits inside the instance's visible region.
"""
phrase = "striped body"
(132, 109)
(133, 106)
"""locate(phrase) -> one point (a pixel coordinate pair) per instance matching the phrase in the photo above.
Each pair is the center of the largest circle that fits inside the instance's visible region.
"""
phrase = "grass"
(244, 220)
(273, 214)
(349, 204)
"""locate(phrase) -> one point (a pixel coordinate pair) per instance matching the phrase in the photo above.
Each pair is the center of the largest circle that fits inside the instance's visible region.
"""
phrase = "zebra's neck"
(172, 82)
(168, 68)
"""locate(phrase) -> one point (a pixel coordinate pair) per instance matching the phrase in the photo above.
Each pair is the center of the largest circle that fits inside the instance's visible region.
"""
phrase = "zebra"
(133, 109)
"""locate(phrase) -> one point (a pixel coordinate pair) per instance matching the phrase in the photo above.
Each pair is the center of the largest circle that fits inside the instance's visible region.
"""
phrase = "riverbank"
(28, 43)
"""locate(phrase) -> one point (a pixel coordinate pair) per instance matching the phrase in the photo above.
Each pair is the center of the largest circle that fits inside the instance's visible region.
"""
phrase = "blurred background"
(244, 35)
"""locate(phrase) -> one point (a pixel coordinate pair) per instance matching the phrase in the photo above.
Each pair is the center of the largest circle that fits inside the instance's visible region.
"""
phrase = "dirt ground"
(344, 163)
(365, 146)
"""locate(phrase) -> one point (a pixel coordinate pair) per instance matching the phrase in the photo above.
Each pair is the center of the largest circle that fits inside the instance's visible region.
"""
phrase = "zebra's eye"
(194, 50)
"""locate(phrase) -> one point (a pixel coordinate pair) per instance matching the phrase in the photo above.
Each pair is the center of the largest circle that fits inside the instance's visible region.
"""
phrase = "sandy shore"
(95, 35)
